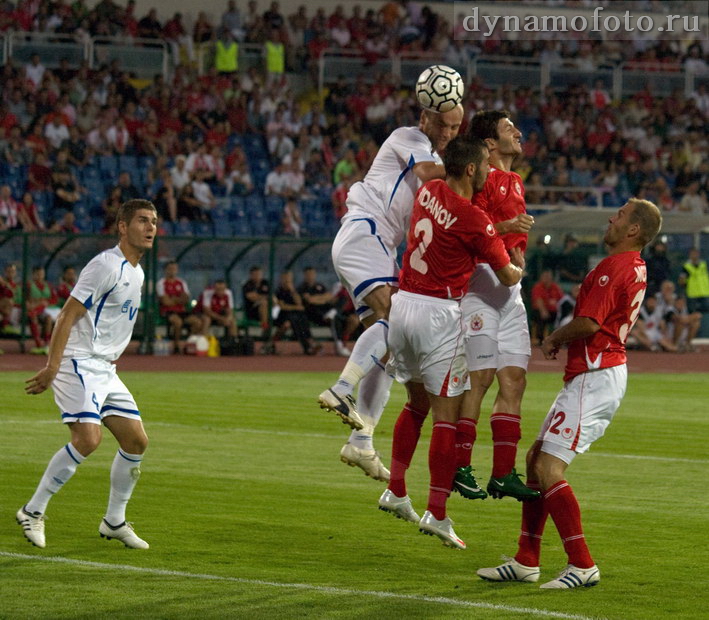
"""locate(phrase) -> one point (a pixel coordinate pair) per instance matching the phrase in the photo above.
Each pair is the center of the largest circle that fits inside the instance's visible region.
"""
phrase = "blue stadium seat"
(183, 229)
(254, 204)
(222, 227)
(127, 163)
(273, 204)
(203, 229)
(108, 164)
(241, 227)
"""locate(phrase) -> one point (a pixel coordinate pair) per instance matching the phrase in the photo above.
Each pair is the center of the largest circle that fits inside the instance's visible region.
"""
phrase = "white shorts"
(582, 410)
(507, 342)
(362, 261)
(88, 390)
(426, 343)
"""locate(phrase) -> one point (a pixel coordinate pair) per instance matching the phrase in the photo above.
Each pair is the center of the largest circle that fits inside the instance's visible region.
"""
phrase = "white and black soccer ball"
(439, 88)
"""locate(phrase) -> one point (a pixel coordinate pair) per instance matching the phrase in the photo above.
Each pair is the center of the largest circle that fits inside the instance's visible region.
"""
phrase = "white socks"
(61, 467)
(369, 349)
(372, 397)
(125, 472)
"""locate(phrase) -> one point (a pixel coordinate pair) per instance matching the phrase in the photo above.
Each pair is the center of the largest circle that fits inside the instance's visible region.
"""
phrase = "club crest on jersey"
(503, 190)
(603, 280)
(490, 230)
(567, 433)
(518, 189)
(476, 323)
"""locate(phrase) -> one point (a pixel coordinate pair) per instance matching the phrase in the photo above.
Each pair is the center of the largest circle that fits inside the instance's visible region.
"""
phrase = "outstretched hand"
(517, 257)
(521, 223)
(41, 381)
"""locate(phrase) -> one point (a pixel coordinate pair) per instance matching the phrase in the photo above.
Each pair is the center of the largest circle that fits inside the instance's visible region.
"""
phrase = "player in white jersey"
(92, 330)
(364, 255)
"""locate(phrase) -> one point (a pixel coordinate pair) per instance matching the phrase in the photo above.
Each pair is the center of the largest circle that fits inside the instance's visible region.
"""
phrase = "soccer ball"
(439, 88)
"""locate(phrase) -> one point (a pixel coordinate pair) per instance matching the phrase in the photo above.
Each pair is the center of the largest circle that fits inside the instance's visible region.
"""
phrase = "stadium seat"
(203, 229)
(183, 229)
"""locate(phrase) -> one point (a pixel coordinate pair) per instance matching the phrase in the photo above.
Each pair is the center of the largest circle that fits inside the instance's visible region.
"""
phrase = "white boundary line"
(441, 600)
(257, 431)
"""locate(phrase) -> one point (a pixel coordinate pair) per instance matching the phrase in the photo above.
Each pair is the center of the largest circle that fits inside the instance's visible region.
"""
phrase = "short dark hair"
(255, 268)
(460, 152)
(128, 209)
(484, 124)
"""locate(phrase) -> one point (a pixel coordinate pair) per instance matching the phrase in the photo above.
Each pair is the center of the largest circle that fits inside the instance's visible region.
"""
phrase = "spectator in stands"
(682, 325)
(165, 198)
(38, 298)
(216, 307)
(572, 264)
(39, 175)
(278, 182)
(118, 137)
(176, 36)
(291, 219)
(658, 267)
(695, 279)
(238, 179)
(110, 206)
(320, 308)
(65, 286)
(28, 214)
(8, 208)
(291, 314)
(231, 21)
(34, 71)
(651, 330)
(203, 195)
(66, 190)
(545, 302)
(346, 168)
(694, 202)
(125, 184)
(174, 305)
(179, 174)
(78, 151)
(188, 207)
(10, 299)
(149, 27)
(203, 31)
(56, 131)
(280, 145)
(67, 224)
(275, 55)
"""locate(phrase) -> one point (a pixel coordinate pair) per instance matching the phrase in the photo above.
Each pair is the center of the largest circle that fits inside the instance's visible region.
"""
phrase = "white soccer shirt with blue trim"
(386, 194)
(109, 288)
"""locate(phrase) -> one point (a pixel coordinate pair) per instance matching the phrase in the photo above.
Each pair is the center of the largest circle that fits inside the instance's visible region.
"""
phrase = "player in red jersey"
(174, 296)
(497, 335)
(446, 235)
(595, 380)
(217, 307)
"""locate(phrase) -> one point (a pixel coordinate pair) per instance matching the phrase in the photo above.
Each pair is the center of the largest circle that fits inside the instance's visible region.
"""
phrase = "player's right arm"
(521, 223)
(70, 313)
(513, 271)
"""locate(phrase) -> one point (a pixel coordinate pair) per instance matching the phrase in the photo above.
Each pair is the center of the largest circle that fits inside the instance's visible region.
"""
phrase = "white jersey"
(109, 288)
(387, 193)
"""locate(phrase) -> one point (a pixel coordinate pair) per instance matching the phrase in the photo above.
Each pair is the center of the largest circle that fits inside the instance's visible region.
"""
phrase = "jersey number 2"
(635, 310)
(416, 261)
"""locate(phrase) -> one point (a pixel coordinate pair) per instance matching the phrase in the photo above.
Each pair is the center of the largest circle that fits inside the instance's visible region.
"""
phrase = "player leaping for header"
(364, 256)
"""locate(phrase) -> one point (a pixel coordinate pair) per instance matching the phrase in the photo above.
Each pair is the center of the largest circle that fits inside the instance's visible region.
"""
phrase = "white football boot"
(32, 527)
(511, 570)
(443, 529)
(400, 507)
(343, 406)
(369, 461)
(572, 577)
(123, 532)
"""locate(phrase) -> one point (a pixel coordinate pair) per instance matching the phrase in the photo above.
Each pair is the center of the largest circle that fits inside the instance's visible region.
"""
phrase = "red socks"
(466, 433)
(506, 434)
(441, 465)
(534, 517)
(407, 431)
(564, 509)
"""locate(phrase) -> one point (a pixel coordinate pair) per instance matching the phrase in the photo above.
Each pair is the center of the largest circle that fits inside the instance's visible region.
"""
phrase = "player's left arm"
(70, 313)
(579, 327)
(429, 170)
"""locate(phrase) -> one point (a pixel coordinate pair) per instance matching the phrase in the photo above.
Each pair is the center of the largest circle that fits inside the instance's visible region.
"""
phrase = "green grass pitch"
(250, 514)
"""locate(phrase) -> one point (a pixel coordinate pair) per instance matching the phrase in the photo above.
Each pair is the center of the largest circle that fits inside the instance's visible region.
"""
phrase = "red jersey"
(611, 295)
(502, 198)
(174, 287)
(446, 235)
(550, 295)
(63, 292)
(219, 304)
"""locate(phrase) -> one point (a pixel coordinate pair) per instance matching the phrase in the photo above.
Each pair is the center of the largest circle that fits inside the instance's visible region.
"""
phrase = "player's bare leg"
(506, 433)
(125, 472)
(369, 349)
(441, 465)
(464, 481)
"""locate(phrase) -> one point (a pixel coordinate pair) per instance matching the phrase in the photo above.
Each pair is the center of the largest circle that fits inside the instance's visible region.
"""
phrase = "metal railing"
(620, 80)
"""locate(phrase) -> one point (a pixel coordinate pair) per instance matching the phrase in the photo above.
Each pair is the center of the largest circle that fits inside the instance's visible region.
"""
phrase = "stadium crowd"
(237, 152)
